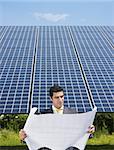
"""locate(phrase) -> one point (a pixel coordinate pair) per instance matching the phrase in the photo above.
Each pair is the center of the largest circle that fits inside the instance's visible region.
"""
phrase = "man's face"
(58, 99)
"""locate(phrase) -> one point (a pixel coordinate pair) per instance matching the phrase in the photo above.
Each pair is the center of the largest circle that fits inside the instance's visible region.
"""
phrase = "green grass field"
(9, 138)
(101, 141)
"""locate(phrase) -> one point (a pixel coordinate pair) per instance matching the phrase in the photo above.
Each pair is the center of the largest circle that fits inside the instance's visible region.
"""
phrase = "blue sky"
(56, 12)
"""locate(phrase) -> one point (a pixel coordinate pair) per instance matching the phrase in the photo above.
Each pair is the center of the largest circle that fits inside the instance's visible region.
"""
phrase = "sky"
(56, 12)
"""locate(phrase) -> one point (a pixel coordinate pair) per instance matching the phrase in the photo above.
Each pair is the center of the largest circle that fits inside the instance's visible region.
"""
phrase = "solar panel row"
(97, 61)
(17, 50)
(57, 63)
(80, 59)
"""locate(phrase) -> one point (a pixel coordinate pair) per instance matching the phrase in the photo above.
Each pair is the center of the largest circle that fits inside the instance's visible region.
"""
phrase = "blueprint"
(58, 132)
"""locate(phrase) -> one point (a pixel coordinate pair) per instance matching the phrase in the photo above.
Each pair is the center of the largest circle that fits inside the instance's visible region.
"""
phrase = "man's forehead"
(58, 93)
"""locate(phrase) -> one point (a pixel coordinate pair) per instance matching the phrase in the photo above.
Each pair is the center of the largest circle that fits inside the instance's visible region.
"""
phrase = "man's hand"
(22, 135)
(91, 129)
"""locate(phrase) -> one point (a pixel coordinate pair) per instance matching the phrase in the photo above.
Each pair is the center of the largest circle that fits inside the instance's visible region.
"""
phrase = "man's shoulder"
(46, 111)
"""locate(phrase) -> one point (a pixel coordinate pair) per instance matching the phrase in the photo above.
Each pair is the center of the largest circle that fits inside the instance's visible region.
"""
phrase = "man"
(57, 98)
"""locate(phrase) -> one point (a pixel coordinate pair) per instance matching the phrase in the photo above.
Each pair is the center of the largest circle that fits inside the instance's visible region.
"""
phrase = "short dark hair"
(55, 88)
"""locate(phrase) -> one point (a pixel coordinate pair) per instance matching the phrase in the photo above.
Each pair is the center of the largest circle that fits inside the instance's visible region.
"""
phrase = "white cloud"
(50, 16)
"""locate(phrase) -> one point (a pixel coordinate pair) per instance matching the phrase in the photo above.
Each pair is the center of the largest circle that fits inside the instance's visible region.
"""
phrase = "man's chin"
(59, 106)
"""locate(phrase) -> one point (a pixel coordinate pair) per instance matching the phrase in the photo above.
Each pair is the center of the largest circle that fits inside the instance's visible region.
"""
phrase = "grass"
(9, 138)
(102, 138)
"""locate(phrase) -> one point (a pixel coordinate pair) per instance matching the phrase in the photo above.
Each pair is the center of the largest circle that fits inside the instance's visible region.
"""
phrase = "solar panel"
(108, 32)
(79, 58)
(56, 62)
(97, 60)
(2, 30)
(17, 50)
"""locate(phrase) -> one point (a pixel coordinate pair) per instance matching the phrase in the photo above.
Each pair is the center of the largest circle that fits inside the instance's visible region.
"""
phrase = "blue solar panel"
(2, 31)
(97, 60)
(56, 62)
(80, 59)
(17, 50)
(108, 32)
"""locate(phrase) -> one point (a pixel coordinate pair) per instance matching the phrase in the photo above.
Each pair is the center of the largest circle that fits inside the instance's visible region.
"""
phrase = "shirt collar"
(56, 110)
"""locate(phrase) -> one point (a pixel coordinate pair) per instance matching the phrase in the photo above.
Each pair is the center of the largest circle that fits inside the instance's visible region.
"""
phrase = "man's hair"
(55, 88)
